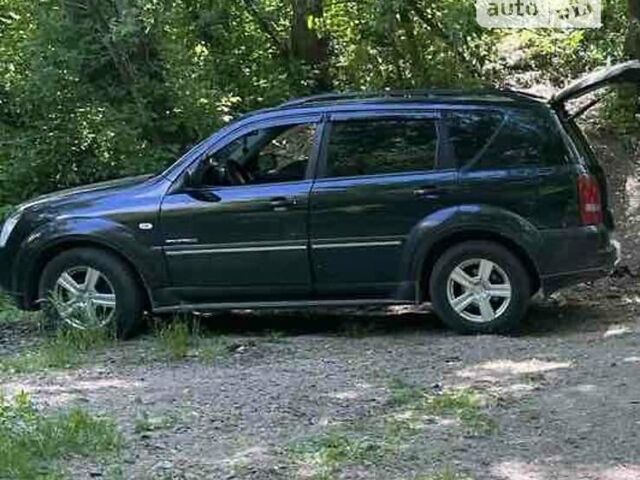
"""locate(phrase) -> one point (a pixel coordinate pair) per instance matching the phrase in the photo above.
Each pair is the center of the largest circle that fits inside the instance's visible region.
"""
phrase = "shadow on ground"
(544, 318)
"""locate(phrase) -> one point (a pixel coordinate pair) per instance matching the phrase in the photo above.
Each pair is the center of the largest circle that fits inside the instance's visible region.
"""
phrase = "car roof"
(402, 99)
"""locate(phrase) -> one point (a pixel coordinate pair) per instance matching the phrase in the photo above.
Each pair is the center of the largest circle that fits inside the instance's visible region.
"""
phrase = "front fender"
(447, 223)
(136, 248)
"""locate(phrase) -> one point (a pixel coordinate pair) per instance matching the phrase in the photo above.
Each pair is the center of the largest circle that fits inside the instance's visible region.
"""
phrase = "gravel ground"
(564, 396)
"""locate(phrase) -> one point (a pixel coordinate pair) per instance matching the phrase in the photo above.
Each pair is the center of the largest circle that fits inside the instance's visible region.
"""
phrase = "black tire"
(127, 318)
(509, 320)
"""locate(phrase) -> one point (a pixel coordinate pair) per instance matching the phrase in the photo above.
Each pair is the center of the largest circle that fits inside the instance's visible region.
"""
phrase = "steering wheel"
(238, 173)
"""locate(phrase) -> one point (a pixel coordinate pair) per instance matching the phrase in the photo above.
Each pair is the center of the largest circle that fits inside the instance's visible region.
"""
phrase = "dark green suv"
(473, 201)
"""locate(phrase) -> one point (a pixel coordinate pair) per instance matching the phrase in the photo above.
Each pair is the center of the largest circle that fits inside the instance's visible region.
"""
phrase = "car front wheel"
(480, 287)
(87, 288)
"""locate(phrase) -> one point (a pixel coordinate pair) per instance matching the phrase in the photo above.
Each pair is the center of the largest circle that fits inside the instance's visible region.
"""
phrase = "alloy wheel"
(479, 290)
(84, 298)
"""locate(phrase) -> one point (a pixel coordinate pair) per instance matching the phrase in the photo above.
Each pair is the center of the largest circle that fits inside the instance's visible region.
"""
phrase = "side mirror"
(190, 187)
(206, 196)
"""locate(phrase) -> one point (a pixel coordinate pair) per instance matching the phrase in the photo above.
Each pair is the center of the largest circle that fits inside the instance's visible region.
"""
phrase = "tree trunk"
(632, 46)
(308, 45)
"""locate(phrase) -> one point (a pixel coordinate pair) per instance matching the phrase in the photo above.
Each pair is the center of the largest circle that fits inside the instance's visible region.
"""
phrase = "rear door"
(380, 175)
(514, 159)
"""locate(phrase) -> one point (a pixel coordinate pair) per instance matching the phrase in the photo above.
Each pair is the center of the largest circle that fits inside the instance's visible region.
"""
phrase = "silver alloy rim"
(479, 290)
(85, 298)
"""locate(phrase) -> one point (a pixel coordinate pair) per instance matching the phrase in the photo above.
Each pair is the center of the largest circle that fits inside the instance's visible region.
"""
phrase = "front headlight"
(8, 227)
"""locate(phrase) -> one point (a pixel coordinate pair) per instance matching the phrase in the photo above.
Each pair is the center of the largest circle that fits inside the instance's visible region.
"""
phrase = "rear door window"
(381, 146)
(469, 133)
(486, 140)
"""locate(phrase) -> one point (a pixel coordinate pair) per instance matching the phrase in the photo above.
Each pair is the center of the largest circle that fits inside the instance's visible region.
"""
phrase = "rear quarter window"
(484, 140)
(581, 142)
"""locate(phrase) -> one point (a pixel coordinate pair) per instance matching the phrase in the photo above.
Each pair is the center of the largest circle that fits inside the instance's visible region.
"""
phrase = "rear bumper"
(576, 255)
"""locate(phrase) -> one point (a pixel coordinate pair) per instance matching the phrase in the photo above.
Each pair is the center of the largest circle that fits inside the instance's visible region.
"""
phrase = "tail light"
(590, 200)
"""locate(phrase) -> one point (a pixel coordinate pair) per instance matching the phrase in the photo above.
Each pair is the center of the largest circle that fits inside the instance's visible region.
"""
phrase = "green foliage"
(91, 90)
(33, 443)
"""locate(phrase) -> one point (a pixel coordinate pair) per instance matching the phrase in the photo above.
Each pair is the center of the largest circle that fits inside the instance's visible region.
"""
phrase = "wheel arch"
(455, 238)
(32, 279)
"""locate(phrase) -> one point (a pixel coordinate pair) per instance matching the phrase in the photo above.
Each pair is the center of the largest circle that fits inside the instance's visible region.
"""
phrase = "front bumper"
(5, 271)
(577, 255)
(6, 279)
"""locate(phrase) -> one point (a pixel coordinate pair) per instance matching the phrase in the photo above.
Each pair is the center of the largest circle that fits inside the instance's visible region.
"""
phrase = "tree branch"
(267, 28)
(435, 27)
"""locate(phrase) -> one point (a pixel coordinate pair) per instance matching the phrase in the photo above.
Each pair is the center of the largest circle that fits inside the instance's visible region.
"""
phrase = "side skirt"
(199, 307)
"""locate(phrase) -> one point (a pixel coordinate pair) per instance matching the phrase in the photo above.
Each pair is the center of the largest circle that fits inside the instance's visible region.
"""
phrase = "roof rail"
(407, 94)
(328, 97)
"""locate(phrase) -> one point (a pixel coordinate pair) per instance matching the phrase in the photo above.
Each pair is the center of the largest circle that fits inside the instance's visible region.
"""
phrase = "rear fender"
(436, 229)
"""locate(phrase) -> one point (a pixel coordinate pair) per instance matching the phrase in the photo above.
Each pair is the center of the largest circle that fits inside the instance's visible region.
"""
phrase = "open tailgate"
(628, 72)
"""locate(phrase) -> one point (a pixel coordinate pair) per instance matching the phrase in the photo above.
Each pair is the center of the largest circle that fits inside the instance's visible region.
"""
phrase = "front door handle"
(429, 192)
(281, 204)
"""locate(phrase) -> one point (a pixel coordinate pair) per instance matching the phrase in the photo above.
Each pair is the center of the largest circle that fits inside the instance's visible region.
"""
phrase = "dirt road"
(375, 397)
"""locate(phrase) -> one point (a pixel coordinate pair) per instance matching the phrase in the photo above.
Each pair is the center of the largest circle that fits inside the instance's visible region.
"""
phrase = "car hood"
(628, 72)
(94, 192)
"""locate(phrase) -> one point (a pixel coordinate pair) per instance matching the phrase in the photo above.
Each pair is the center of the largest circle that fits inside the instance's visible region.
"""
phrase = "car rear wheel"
(87, 289)
(480, 287)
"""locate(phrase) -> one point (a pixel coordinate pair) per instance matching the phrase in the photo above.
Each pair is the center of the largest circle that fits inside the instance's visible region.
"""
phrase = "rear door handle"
(429, 191)
(280, 204)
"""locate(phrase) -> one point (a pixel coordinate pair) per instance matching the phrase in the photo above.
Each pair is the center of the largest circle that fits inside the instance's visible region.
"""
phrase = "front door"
(381, 176)
(239, 232)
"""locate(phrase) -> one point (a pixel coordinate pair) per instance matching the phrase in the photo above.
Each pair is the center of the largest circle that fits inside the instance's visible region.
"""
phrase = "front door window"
(269, 155)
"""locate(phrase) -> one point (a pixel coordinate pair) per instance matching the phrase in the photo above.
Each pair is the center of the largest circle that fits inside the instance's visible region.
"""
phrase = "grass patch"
(446, 474)
(391, 434)
(181, 338)
(321, 458)
(358, 329)
(9, 313)
(209, 349)
(33, 444)
(65, 349)
(465, 405)
(175, 339)
(275, 336)
(146, 423)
